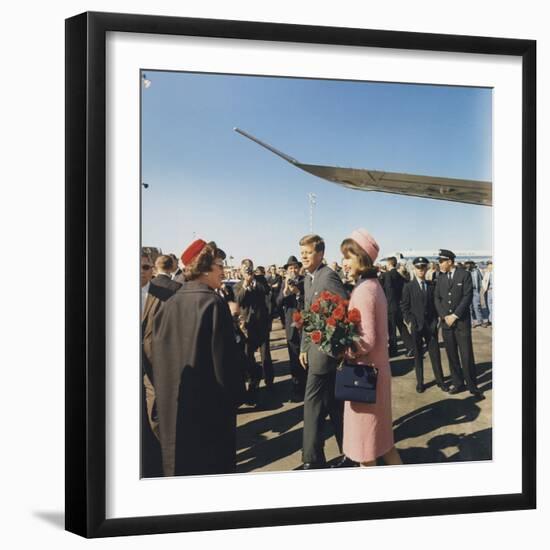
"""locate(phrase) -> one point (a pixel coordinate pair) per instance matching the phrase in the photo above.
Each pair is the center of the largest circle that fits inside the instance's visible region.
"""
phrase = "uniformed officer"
(453, 297)
(418, 307)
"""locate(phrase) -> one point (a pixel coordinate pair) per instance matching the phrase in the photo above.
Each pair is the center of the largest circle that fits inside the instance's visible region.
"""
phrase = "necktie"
(423, 284)
(449, 276)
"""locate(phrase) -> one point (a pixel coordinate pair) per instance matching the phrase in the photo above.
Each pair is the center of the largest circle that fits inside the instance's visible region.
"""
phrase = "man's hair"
(164, 263)
(146, 256)
(315, 240)
(203, 262)
(350, 246)
(392, 261)
(247, 263)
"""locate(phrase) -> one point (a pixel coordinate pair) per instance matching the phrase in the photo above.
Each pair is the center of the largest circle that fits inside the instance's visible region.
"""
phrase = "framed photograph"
(294, 255)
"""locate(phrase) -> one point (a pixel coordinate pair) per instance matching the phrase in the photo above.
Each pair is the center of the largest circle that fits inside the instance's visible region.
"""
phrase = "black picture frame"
(86, 279)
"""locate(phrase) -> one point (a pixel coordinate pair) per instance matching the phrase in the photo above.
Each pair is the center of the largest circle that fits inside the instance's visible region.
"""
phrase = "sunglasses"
(146, 267)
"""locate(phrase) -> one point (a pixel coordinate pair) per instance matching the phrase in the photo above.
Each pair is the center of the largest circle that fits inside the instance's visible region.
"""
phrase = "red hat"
(192, 251)
(365, 240)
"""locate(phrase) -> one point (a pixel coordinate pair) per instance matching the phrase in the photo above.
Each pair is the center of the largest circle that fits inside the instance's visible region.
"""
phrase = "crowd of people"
(204, 321)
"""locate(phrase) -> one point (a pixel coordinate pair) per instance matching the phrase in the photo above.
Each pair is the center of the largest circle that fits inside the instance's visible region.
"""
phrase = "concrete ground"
(429, 427)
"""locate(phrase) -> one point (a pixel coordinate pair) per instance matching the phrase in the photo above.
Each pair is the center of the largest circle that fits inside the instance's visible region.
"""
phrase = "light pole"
(312, 202)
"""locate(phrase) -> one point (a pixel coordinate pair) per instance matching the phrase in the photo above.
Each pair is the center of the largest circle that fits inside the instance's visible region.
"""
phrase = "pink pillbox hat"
(365, 240)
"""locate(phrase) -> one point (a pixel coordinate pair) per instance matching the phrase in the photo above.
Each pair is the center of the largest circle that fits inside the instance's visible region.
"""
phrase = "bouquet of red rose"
(330, 324)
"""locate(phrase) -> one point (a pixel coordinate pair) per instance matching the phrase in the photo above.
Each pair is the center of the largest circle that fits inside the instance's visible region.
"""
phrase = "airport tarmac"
(429, 427)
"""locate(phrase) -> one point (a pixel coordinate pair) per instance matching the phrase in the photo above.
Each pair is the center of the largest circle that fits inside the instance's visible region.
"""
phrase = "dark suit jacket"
(165, 282)
(254, 310)
(418, 307)
(290, 305)
(154, 302)
(156, 297)
(393, 283)
(454, 296)
(323, 279)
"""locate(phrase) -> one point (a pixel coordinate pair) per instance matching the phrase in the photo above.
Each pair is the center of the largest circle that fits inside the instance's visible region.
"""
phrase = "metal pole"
(312, 203)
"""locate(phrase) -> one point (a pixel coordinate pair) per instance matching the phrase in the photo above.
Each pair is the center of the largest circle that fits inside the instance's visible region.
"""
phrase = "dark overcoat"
(198, 382)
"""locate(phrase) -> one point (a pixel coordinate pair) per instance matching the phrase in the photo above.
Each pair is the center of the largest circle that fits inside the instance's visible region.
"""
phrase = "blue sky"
(206, 180)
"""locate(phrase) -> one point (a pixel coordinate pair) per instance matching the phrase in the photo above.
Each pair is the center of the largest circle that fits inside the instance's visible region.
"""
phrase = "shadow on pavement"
(401, 367)
(268, 451)
(251, 433)
(476, 446)
(435, 416)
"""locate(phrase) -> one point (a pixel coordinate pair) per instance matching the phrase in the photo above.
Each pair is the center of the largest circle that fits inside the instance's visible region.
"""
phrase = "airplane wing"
(430, 187)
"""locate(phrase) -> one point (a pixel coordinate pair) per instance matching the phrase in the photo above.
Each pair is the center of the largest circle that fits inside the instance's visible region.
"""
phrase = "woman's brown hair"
(366, 267)
(203, 262)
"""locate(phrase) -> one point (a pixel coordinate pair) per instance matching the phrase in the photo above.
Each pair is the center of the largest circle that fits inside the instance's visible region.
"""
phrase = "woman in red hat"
(197, 370)
(368, 432)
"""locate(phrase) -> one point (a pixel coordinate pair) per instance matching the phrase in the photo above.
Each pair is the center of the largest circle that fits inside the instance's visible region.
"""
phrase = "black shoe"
(454, 390)
(296, 396)
(477, 393)
(410, 353)
(312, 466)
(420, 388)
(345, 462)
(443, 387)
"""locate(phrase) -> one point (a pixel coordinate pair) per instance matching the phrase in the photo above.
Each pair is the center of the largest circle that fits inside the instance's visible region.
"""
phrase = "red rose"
(335, 299)
(316, 336)
(315, 307)
(339, 313)
(296, 316)
(354, 316)
(326, 295)
(331, 321)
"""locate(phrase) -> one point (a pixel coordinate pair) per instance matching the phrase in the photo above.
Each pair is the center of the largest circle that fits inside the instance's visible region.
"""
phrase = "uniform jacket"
(324, 279)
(198, 382)
(418, 307)
(454, 296)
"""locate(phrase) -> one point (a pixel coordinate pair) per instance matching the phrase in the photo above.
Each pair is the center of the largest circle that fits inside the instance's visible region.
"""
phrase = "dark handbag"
(356, 383)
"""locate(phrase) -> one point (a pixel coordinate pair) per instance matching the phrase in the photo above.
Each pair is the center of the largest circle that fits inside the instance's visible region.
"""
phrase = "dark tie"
(449, 276)
(423, 284)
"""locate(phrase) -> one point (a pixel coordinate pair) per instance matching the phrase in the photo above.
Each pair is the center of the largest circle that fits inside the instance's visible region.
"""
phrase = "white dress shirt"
(144, 291)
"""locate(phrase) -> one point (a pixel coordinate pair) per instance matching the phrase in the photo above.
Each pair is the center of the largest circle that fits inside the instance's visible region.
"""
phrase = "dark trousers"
(151, 462)
(297, 372)
(427, 335)
(265, 354)
(395, 322)
(458, 341)
(318, 402)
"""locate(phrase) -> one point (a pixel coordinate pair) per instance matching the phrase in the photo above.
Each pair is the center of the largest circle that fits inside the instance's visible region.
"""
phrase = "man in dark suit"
(275, 282)
(165, 267)
(290, 300)
(392, 283)
(321, 369)
(453, 297)
(418, 307)
(154, 293)
(252, 295)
